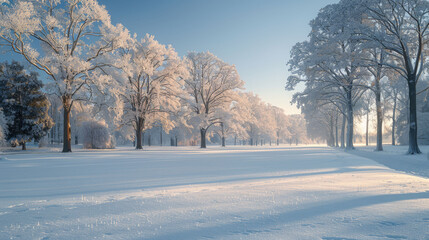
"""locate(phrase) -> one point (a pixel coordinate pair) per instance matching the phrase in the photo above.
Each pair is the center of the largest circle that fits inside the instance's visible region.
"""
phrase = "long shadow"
(187, 183)
(399, 162)
(268, 223)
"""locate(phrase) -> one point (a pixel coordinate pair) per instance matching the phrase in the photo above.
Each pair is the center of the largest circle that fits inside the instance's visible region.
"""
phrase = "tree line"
(363, 53)
(100, 71)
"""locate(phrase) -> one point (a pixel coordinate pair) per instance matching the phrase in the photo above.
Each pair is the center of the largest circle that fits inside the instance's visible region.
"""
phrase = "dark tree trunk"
(251, 141)
(148, 140)
(139, 128)
(336, 130)
(203, 138)
(235, 140)
(139, 139)
(379, 146)
(24, 146)
(67, 129)
(394, 121)
(349, 141)
(76, 140)
(176, 141)
(343, 130)
(223, 135)
(331, 132)
(413, 147)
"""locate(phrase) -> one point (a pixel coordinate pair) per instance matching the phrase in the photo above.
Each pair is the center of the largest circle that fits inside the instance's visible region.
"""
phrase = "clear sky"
(254, 35)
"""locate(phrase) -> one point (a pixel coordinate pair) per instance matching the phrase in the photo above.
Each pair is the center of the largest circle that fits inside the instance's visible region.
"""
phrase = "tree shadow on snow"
(269, 222)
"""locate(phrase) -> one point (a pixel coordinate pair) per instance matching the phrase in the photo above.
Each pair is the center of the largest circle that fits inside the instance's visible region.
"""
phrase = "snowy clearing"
(187, 193)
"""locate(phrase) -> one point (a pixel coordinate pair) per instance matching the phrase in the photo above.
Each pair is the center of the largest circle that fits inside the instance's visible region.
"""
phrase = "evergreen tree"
(24, 105)
(3, 128)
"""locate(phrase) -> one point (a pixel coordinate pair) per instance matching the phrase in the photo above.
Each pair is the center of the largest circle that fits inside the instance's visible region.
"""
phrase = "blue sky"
(255, 35)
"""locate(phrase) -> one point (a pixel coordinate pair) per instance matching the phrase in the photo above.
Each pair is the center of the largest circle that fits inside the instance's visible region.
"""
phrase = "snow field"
(188, 193)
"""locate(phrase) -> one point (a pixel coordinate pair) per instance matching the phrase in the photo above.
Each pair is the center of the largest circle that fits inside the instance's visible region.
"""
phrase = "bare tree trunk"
(138, 139)
(349, 141)
(67, 129)
(413, 147)
(24, 146)
(331, 132)
(139, 127)
(394, 121)
(367, 123)
(379, 146)
(223, 135)
(336, 130)
(343, 130)
(203, 138)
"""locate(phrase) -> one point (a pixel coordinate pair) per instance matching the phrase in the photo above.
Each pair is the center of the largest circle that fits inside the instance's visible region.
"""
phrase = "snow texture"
(231, 193)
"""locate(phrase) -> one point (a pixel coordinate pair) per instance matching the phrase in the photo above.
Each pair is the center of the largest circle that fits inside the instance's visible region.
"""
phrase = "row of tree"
(356, 47)
(100, 70)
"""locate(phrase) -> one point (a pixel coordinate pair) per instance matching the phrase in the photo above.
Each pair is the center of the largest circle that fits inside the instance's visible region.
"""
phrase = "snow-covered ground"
(310, 192)
(395, 157)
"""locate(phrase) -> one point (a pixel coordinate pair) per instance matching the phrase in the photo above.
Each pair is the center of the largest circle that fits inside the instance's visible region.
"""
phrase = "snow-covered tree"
(402, 30)
(182, 130)
(397, 99)
(281, 123)
(24, 104)
(423, 116)
(296, 128)
(3, 128)
(151, 86)
(96, 135)
(331, 61)
(374, 62)
(68, 40)
(210, 84)
(261, 125)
